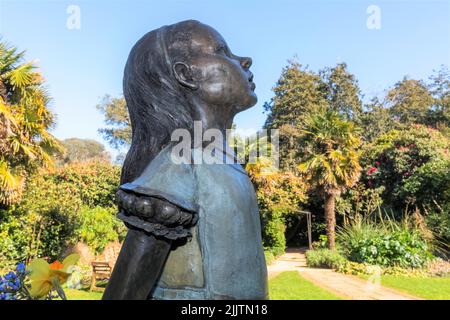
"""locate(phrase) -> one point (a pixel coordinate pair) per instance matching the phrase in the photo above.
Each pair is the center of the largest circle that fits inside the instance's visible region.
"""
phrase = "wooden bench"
(100, 271)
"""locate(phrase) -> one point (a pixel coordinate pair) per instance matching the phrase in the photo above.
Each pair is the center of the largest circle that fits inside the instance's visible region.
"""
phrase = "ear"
(183, 74)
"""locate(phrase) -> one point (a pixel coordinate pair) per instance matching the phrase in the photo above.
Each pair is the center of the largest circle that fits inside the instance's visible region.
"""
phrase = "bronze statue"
(194, 229)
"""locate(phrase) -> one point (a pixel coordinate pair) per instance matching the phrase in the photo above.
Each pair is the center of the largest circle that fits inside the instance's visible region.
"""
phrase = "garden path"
(346, 286)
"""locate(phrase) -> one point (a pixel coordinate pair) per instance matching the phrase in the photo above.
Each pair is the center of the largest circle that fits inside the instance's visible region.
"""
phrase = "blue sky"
(82, 65)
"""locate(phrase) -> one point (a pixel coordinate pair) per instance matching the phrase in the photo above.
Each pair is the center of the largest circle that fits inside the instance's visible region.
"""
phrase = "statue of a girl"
(194, 228)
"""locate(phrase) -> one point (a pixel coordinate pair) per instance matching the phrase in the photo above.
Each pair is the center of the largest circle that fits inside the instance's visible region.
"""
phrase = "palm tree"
(25, 142)
(330, 159)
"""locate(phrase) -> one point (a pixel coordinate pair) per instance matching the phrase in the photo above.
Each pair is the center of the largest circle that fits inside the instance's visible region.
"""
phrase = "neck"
(213, 117)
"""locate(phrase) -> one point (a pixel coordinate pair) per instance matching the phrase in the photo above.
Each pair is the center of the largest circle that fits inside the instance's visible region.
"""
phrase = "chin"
(245, 101)
(249, 102)
(253, 99)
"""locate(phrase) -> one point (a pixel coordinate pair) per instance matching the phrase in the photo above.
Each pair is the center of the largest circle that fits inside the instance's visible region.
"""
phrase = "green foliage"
(439, 88)
(279, 194)
(359, 201)
(26, 236)
(395, 158)
(274, 239)
(438, 220)
(297, 92)
(331, 156)
(342, 91)
(314, 112)
(324, 258)
(25, 120)
(98, 226)
(15, 231)
(322, 243)
(410, 102)
(118, 134)
(54, 208)
(428, 186)
(406, 142)
(300, 93)
(270, 257)
(376, 120)
(400, 248)
(83, 150)
(330, 161)
(354, 268)
(94, 183)
(42, 222)
(362, 269)
(384, 243)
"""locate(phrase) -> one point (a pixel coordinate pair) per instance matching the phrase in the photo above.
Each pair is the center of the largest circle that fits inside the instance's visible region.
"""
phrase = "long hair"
(156, 102)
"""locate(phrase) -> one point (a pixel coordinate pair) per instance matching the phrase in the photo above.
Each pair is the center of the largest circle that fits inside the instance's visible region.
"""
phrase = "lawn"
(426, 288)
(291, 286)
(73, 294)
(286, 286)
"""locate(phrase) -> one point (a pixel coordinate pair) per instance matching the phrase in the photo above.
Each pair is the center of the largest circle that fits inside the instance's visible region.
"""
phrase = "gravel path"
(346, 286)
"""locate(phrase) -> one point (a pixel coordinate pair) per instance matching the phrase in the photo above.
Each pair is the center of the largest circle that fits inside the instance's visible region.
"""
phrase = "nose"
(246, 62)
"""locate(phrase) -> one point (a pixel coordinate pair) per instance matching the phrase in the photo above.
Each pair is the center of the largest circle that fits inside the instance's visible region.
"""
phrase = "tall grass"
(382, 240)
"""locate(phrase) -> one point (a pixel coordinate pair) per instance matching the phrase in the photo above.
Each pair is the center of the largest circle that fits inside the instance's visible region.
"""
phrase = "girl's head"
(175, 75)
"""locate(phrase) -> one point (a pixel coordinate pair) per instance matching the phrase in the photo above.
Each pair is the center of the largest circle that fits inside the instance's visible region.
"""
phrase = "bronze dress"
(225, 258)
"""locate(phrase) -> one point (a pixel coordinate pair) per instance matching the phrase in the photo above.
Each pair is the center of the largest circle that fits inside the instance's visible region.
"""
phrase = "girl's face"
(221, 79)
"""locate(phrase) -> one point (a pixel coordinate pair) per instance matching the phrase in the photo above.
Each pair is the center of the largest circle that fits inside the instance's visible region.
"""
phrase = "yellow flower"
(45, 277)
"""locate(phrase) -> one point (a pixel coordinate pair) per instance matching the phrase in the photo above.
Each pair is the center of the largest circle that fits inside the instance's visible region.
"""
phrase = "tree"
(410, 102)
(342, 91)
(118, 134)
(297, 92)
(376, 120)
(25, 142)
(439, 88)
(83, 150)
(331, 159)
(300, 92)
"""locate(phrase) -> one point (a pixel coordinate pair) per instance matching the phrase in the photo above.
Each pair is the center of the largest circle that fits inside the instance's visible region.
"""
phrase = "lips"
(250, 79)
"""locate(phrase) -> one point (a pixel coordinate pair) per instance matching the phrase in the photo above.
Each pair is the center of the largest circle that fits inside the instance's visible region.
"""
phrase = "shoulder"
(168, 179)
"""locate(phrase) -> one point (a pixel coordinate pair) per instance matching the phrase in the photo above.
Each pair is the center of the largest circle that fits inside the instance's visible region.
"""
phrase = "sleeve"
(164, 179)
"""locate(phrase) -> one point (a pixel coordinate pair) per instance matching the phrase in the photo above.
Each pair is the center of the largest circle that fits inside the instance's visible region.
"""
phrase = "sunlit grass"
(286, 286)
(291, 286)
(427, 288)
(73, 294)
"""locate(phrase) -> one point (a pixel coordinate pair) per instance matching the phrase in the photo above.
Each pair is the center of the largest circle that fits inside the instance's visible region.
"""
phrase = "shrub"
(274, 239)
(54, 205)
(27, 234)
(406, 162)
(322, 243)
(430, 184)
(98, 226)
(324, 258)
(438, 220)
(384, 243)
(279, 195)
(355, 268)
(269, 257)
(94, 183)
(359, 200)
